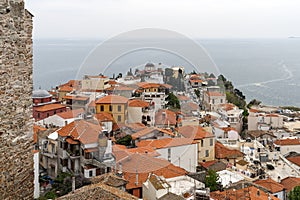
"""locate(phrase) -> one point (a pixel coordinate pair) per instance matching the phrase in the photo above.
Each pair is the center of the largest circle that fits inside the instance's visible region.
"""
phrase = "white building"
(287, 145)
(258, 120)
(62, 119)
(227, 178)
(157, 186)
(182, 152)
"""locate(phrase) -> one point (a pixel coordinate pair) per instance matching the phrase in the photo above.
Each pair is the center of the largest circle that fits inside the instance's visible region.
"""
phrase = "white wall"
(288, 148)
(87, 173)
(182, 156)
(134, 114)
(36, 175)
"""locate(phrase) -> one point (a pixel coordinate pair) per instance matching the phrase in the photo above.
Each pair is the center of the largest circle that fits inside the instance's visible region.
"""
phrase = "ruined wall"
(16, 157)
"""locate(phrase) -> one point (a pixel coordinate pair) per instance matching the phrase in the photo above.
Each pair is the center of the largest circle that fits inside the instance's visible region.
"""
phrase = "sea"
(264, 69)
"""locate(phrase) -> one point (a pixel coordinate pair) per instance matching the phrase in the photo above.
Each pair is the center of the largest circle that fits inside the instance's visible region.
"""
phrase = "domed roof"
(149, 65)
(41, 94)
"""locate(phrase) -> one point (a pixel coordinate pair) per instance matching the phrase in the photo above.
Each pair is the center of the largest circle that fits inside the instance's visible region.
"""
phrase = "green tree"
(126, 140)
(197, 92)
(253, 102)
(295, 193)
(173, 101)
(212, 180)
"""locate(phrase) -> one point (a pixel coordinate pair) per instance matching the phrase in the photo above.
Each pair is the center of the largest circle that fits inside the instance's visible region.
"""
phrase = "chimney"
(136, 178)
(120, 172)
(73, 184)
(278, 179)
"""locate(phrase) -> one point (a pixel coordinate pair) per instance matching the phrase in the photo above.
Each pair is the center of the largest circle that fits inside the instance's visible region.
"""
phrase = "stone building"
(16, 131)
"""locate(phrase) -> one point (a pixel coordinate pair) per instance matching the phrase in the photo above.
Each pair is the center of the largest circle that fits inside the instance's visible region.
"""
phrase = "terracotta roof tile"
(214, 94)
(165, 117)
(77, 98)
(295, 160)
(194, 132)
(149, 130)
(232, 194)
(81, 130)
(183, 98)
(222, 152)
(143, 165)
(119, 88)
(270, 184)
(290, 182)
(283, 142)
(166, 142)
(71, 113)
(207, 163)
(65, 88)
(104, 117)
(92, 104)
(98, 191)
(49, 107)
(111, 99)
(138, 103)
(36, 130)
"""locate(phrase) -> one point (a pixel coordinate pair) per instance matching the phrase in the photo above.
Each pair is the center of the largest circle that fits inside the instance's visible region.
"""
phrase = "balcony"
(73, 155)
(49, 154)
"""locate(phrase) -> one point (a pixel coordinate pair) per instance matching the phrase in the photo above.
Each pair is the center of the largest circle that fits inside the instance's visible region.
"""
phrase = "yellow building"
(116, 105)
(205, 140)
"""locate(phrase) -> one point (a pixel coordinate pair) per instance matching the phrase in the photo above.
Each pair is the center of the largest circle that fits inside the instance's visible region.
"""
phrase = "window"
(201, 143)
(119, 108)
(211, 141)
(39, 115)
(213, 101)
(221, 100)
(102, 108)
(47, 114)
(119, 118)
(110, 108)
(54, 112)
(206, 153)
(169, 154)
(90, 173)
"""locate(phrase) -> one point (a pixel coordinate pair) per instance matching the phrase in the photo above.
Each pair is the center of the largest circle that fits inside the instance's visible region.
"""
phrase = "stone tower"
(16, 156)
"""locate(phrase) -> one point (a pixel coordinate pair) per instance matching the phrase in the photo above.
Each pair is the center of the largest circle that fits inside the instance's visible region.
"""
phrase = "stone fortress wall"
(16, 149)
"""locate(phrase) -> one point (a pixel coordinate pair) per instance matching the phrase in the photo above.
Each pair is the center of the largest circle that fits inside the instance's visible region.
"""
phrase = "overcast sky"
(194, 18)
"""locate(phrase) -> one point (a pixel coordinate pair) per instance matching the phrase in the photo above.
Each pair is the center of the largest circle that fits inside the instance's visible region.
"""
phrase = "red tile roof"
(77, 98)
(295, 160)
(254, 110)
(149, 130)
(81, 130)
(148, 85)
(183, 98)
(208, 163)
(215, 94)
(165, 143)
(290, 182)
(49, 107)
(104, 117)
(65, 88)
(271, 185)
(92, 104)
(228, 106)
(252, 192)
(119, 88)
(189, 106)
(142, 165)
(194, 132)
(222, 152)
(71, 113)
(138, 103)
(112, 99)
(165, 117)
(283, 142)
(36, 130)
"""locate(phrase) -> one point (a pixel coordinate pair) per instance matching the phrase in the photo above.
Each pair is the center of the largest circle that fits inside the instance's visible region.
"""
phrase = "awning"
(71, 141)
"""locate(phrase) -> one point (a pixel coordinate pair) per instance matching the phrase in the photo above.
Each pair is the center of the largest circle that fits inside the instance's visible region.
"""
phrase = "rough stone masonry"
(16, 157)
